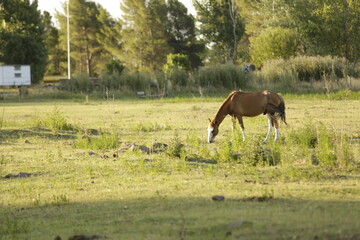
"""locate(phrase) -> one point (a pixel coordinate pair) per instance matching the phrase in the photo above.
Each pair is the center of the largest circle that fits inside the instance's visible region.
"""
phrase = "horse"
(250, 104)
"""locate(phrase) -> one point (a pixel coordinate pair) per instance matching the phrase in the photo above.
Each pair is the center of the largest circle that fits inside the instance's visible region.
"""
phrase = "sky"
(113, 6)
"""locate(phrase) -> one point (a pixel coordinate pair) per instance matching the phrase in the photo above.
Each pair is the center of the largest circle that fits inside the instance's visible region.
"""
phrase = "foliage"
(102, 142)
(176, 69)
(176, 147)
(93, 35)
(221, 25)
(306, 136)
(181, 33)
(307, 68)
(329, 27)
(144, 36)
(114, 66)
(56, 54)
(251, 152)
(22, 30)
(273, 43)
(227, 75)
(176, 61)
(56, 121)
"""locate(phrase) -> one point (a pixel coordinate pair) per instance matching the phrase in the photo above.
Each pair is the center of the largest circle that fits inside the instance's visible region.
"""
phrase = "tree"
(109, 34)
(221, 26)
(144, 34)
(273, 43)
(180, 28)
(84, 26)
(329, 27)
(56, 55)
(22, 29)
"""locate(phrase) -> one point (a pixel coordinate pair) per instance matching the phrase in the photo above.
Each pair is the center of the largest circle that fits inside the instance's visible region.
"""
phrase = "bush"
(251, 152)
(55, 121)
(176, 148)
(80, 83)
(307, 68)
(227, 76)
(273, 43)
(102, 142)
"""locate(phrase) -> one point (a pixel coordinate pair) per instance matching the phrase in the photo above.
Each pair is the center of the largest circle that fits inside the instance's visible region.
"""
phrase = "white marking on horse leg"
(277, 134)
(244, 134)
(270, 127)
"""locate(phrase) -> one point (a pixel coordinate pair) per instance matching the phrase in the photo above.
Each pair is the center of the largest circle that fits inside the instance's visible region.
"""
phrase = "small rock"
(91, 153)
(314, 160)
(92, 132)
(218, 198)
(26, 141)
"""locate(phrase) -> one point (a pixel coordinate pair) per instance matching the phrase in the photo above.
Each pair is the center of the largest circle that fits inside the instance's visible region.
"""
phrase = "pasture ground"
(106, 191)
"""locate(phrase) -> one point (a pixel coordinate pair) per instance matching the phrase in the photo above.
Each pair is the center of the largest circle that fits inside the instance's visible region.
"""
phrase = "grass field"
(96, 171)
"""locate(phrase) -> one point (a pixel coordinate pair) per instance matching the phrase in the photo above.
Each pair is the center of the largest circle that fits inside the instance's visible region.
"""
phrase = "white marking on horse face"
(210, 134)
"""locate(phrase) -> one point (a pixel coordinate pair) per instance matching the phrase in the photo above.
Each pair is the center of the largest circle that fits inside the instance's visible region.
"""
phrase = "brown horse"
(242, 104)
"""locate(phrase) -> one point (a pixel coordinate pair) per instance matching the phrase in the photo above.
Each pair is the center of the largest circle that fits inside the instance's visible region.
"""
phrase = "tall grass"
(55, 121)
(307, 68)
(227, 76)
(102, 142)
(322, 145)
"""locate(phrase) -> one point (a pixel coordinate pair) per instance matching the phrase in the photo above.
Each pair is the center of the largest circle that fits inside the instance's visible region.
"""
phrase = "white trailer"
(15, 75)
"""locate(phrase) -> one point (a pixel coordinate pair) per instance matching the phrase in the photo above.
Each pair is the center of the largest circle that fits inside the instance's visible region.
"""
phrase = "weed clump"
(327, 147)
(55, 121)
(251, 152)
(176, 147)
(102, 142)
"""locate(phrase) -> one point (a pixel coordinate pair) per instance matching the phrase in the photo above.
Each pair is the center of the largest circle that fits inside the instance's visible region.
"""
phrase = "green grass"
(87, 183)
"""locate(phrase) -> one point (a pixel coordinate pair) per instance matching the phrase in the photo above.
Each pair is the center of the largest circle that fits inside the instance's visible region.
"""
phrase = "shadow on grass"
(6, 134)
(163, 217)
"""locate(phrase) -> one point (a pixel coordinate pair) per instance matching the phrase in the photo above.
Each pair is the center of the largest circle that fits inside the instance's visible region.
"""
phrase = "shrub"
(104, 141)
(251, 152)
(305, 136)
(80, 83)
(227, 75)
(114, 66)
(176, 148)
(307, 68)
(55, 121)
(273, 43)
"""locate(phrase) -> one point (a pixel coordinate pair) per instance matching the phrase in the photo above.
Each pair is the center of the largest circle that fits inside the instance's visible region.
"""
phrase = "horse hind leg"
(277, 131)
(270, 127)
(272, 123)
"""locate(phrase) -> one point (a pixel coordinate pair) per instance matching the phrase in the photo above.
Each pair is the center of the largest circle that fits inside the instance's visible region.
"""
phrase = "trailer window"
(17, 67)
(18, 75)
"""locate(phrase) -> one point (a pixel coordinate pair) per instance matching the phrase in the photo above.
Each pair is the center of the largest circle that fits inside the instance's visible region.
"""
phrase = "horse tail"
(281, 108)
(281, 112)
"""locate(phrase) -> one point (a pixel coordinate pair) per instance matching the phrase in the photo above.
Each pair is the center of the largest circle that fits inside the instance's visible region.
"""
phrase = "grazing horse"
(242, 104)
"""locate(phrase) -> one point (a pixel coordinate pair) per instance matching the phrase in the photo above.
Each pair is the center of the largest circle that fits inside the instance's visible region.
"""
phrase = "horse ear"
(209, 119)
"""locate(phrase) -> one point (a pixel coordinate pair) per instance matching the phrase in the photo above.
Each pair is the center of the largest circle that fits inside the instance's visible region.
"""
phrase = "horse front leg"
(239, 118)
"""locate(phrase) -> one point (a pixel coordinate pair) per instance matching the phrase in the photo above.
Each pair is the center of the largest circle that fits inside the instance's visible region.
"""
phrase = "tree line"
(156, 35)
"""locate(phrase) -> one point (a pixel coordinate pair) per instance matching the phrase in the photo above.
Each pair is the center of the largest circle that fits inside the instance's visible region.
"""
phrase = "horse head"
(213, 130)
